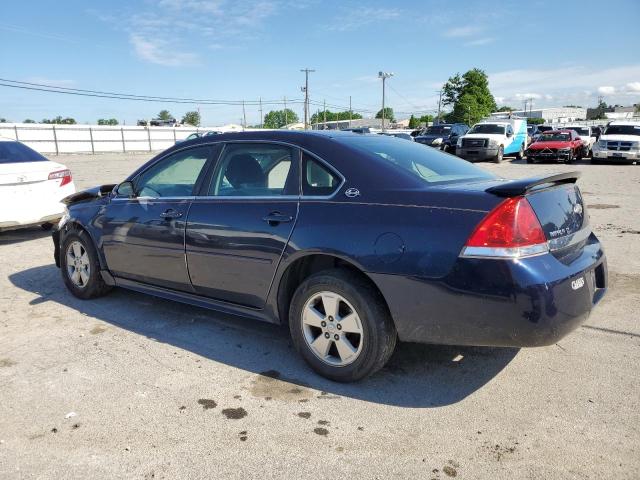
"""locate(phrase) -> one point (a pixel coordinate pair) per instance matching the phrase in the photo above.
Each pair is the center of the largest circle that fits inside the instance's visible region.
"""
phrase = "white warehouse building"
(554, 114)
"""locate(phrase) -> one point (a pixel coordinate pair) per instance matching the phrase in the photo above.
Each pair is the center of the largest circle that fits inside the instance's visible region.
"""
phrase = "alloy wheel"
(78, 264)
(332, 328)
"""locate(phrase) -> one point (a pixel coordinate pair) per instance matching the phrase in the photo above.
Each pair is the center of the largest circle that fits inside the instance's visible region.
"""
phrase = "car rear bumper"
(477, 153)
(530, 302)
(32, 220)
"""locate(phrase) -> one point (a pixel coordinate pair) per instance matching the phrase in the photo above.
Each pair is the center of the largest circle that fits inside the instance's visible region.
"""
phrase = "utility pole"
(383, 76)
(439, 92)
(324, 114)
(244, 117)
(305, 89)
(286, 118)
(261, 118)
(350, 111)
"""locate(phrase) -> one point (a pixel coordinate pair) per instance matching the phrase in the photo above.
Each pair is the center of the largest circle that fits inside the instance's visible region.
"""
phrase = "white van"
(493, 139)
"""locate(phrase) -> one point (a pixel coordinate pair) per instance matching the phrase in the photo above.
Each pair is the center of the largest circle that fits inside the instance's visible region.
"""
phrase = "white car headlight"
(459, 142)
(64, 219)
(493, 143)
(437, 141)
(635, 145)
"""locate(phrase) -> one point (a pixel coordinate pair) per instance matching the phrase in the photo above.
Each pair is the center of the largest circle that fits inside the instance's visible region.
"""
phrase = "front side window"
(174, 176)
(317, 179)
(254, 170)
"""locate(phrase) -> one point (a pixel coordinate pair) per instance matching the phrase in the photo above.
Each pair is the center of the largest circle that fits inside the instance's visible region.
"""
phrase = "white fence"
(58, 139)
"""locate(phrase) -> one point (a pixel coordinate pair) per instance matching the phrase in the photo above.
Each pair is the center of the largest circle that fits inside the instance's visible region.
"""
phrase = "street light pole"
(383, 76)
(306, 71)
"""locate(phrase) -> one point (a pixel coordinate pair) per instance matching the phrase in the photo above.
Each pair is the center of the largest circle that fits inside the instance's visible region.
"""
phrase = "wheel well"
(306, 266)
(77, 227)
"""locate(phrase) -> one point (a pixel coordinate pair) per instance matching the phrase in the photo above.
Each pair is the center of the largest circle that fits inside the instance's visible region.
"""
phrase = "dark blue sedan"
(354, 241)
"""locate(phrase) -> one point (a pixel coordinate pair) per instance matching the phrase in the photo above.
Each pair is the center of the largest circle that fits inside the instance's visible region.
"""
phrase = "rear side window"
(317, 179)
(427, 164)
(16, 152)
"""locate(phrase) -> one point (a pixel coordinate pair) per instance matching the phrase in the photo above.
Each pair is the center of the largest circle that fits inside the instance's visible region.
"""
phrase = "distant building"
(552, 115)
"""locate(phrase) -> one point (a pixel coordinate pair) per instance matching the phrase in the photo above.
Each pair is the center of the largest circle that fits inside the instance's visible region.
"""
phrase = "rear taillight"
(65, 175)
(511, 230)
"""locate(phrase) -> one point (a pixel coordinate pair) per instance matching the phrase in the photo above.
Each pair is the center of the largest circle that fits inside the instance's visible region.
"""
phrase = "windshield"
(16, 152)
(623, 130)
(580, 131)
(438, 130)
(555, 137)
(487, 128)
(544, 128)
(427, 164)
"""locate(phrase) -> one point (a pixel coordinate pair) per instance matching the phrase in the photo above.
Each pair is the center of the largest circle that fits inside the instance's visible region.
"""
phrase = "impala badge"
(352, 192)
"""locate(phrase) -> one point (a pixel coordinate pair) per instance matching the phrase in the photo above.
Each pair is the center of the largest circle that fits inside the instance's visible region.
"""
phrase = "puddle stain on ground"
(6, 362)
(97, 330)
(602, 206)
(243, 436)
(304, 414)
(234, 413)
(272, 385)
(207, 404)
(321, 431)
(499, 451)
(323, 422)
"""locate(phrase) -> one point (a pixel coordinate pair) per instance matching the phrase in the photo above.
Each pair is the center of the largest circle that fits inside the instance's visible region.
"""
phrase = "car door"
(143, 235)
(239, 226)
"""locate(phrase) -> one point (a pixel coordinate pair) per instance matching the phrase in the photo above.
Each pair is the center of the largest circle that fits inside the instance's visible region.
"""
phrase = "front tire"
(500, 155)
(80, 266)
(341, 326)
(520, 154)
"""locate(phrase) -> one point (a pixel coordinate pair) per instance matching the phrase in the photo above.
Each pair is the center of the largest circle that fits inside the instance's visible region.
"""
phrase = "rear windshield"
(427, 164)
(580, 130)
(623, 130)
(544, 128)
(16, 152)
(487, 128)
(555, 137)
(438, 129)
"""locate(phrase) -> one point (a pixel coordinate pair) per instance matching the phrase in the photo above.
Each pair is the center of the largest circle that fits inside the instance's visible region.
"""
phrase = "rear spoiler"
(514, 188)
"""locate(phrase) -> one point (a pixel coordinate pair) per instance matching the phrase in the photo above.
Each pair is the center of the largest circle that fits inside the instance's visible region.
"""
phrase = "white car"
(586, 135)
(31, 187)
(620, 142)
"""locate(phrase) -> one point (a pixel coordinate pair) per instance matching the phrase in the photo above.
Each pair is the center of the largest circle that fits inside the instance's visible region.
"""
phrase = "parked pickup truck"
(620, 142)
(493, 139)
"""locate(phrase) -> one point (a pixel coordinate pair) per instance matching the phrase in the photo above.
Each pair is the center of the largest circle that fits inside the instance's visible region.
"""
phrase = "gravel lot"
(129, 386)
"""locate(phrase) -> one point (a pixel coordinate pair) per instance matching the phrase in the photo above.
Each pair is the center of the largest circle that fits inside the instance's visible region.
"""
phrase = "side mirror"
(509, 134)
(125, 189)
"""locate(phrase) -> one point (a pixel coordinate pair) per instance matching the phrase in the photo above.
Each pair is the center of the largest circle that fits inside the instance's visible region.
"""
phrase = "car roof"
(623, 122)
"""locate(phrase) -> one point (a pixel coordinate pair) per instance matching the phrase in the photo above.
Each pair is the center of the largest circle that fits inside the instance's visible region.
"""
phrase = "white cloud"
(526, 96)
(607, 90)
(633, 86)
(458, 32)
(158, 52)
(480, 41)
(358, 17)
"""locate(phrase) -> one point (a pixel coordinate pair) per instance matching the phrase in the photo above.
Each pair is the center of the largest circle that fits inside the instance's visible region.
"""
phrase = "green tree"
(470, 96)
(413, 122)
(638, 108)
(535, 121)
(107, 121)
(319, 116)
(426, 119)
(60, 121)
(192, 118)
(164, 115)
(28, 120)
(388, 114)
(505, 108)
(3, 120)
(280, 118)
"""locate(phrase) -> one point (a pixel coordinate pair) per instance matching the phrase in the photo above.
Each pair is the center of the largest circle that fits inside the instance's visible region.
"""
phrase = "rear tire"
(80, 267)
(500, 155)
(46, 226)
(341, 326)
(520, 154)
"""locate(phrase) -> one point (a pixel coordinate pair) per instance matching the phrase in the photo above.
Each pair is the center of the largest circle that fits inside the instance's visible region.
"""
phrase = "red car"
(556, 145)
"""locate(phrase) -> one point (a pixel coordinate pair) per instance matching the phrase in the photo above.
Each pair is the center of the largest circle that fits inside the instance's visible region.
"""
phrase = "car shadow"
(10, 237)
(420, 376)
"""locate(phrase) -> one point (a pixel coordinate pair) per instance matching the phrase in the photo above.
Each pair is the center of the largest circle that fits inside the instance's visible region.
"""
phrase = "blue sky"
(559, 53)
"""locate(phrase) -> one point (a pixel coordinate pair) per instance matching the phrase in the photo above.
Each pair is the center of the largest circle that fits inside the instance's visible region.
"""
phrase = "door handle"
(275, 218)
(171, 213)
